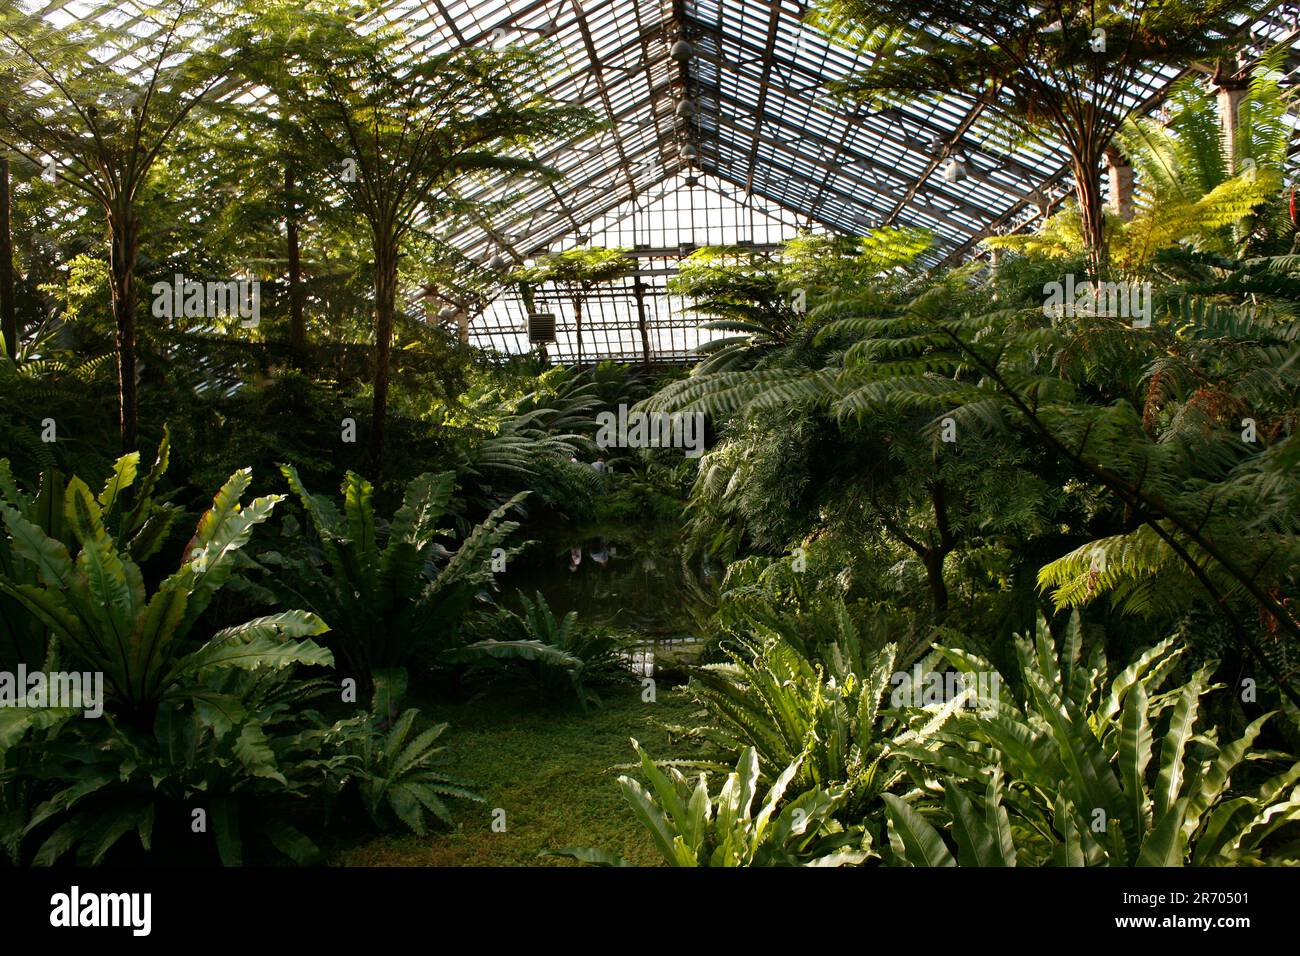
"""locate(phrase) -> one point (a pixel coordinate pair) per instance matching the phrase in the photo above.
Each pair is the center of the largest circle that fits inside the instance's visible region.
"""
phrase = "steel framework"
(731, 138)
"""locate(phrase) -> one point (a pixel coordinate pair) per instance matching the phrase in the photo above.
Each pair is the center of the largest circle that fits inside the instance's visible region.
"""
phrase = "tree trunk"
(939, 550)
(297, 322)
(1229, 92)
(639, 287)
(385, 311)
(124, 249)
(933, 561)
(577, 316)
(1087, 180)
(934, 553)
(8, 312)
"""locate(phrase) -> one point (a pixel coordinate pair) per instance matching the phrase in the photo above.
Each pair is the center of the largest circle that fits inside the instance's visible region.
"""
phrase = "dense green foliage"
(391, 593)
(1097, 766)
(971, 572)
(692, 827)
(560, 653)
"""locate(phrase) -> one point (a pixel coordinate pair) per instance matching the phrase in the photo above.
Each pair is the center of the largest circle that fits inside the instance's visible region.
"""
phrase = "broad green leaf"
(1164, 845)
(1135, 752)
(651, 817)
(921, 841)
(51, 558)
(1217, 777)
(225, 830)
(124, 472)
(672, 801)
(589, 855)
(976, 844)
(254, 751)
(1169, 782)
(16, 721)
(250, 655)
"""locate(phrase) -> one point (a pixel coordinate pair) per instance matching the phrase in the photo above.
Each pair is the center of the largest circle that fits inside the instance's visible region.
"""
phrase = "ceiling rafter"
(769, 51)
(851, 158)
(817, 81)
(764, 125)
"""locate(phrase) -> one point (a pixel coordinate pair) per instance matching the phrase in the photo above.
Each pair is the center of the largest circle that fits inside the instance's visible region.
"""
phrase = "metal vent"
(541, 328)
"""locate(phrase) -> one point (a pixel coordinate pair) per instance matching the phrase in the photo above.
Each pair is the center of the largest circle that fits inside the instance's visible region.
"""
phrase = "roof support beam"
(769, 53)
(963, 127)
(816, 81)
(850, 157)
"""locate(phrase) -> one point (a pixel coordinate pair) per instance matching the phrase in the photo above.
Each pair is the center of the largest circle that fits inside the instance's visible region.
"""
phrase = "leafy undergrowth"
(552, 770)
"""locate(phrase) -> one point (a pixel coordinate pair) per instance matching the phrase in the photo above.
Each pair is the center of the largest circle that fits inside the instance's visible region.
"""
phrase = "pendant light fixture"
(955, 170)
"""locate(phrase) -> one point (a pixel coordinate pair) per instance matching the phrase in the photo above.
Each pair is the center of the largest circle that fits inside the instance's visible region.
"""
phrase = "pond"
(633, 590)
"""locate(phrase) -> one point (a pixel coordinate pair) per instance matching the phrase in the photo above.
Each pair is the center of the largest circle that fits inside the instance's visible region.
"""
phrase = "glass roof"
(769, 143)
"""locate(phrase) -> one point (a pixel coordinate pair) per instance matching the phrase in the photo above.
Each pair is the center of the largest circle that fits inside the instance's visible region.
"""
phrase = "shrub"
(692, 827)
(561, 655)
(1070, 776)
(186, 720)
(390, 592)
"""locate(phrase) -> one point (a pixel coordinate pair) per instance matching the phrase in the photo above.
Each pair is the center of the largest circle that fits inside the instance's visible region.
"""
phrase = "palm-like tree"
(1060, 70)
(68, 105)
(742, 294)
(1187, 192)
(8, 313)
(761, 300)
(402, 133)
(1200, 504)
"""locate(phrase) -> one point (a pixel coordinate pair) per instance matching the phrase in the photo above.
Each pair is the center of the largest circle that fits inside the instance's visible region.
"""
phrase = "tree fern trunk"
(297, 322)
(1088, 190)
(938, 552)
(577, 316)
(385, 311)
(124, 249)
(933, 561)
(8, 312)
(639, 287)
